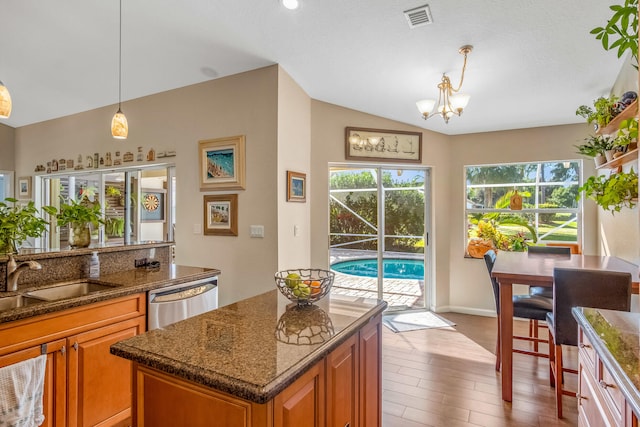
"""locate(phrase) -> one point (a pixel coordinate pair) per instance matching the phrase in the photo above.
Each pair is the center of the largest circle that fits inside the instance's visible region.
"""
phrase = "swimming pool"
(393, 268)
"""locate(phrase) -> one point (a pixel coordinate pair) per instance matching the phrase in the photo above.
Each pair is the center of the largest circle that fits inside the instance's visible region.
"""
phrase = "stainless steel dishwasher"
(174, 303)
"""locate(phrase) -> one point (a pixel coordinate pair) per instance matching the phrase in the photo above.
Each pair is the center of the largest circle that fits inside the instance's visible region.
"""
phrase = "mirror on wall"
(137, 203)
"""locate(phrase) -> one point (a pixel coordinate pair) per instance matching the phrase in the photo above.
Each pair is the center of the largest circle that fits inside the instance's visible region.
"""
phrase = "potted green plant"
(79, 216)
(627, 136)
(595, 146)
(612, 193)
(621, 31)
(17, 223)
(604, 109)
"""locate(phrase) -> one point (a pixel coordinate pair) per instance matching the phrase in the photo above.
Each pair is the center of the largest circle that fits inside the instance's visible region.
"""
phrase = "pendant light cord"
(120, 62)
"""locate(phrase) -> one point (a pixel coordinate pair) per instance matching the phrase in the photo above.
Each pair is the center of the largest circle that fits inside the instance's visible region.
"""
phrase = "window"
(550, 211)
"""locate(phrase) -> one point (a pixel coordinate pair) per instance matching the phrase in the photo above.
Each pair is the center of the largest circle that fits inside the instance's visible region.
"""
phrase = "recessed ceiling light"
(291, 4)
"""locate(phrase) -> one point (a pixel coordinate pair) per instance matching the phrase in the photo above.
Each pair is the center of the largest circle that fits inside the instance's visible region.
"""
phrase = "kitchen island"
(609, 367)
(262, 361)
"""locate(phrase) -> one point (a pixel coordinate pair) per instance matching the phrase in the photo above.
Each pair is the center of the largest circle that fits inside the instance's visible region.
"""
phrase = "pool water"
(392, 268)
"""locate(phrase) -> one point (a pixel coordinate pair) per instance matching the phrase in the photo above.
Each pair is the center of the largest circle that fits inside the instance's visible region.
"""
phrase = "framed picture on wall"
(24, 187)
(222, 163)
(221, 215)
(383, 145)
(152, 205)
(296, 187)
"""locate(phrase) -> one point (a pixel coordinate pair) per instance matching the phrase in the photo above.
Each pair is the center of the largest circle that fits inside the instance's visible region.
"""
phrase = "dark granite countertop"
(122, 283)
(254, 348)
(615, 336)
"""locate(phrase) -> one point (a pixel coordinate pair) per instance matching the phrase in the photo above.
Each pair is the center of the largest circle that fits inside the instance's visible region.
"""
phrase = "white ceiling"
(533, 62)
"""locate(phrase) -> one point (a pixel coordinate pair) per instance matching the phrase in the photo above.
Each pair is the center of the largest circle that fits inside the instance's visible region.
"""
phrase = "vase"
(609, 155)
(79, 235)
(600, 160)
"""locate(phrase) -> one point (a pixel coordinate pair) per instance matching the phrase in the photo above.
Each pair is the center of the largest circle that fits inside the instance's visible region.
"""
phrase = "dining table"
(537, 270)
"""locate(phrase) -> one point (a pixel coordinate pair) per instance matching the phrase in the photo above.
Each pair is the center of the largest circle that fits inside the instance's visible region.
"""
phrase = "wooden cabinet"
(343, 387)
(371, 373)
(600, 401)
(302, 403)
(341, 390)
(84, 384)
(55, 395)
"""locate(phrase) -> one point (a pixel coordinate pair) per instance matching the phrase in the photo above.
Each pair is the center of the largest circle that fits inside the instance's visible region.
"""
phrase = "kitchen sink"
(71, 290)
(7, 303)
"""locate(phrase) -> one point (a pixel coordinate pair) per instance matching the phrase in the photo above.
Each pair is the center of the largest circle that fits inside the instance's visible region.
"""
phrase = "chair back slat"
(585, 288)
(490, 259)
(552, 250)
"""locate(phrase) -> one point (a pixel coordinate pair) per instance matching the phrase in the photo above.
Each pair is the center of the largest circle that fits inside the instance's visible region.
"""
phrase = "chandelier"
(449, 101)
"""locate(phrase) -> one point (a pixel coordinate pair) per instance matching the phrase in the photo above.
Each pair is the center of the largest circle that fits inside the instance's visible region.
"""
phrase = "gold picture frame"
(221, 215)
(24, 187)
(222, 163)
(383, 145)
(296, 187)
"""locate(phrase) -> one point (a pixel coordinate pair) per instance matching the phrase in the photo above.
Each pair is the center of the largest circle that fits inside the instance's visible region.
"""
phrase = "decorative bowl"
(304, 286)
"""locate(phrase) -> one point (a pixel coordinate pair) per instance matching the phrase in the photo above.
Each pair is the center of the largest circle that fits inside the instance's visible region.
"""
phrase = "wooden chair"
(575, 247)
(579, 288)
(544, 291)
(532, 307)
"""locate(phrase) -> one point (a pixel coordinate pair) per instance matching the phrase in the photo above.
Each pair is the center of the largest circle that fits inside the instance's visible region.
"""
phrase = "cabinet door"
(302, 403)
(342, 384)
(55, 380)
(100, 384)
(370, 349)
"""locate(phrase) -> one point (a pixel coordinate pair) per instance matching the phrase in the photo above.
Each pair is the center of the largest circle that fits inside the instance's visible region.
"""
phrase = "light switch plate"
(197, 228)
(256, 231)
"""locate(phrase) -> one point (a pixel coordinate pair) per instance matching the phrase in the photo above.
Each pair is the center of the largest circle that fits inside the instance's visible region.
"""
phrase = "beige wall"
(243, 104)
(327, 146)
(294, 154)
(470, 290)
(286, 130)
(7, 136)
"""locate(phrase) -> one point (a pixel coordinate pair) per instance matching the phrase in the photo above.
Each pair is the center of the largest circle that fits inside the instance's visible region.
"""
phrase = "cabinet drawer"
(587, 351)
(592, 411)
(610, 391)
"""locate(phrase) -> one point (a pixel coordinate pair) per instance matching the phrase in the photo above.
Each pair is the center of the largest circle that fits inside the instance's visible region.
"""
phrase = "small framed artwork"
(24, 187)
(153, 205)
(383, 145)
(221, 215)
(222, 163)
(296, 187)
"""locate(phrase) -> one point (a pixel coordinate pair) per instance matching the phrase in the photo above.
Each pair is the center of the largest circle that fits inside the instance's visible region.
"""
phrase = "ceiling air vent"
(418, 16)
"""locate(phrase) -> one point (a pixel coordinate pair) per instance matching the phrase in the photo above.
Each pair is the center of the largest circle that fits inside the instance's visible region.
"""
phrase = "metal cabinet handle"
(604, 385)
(63, 350)
(75, 346)
(585, 346)
(347, 425)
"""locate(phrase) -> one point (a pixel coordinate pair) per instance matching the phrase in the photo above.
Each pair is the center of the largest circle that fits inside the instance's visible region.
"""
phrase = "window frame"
(538, 184)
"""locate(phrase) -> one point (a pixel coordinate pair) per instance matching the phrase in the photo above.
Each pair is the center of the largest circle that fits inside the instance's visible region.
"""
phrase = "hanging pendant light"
(119, 125)
(5, 102)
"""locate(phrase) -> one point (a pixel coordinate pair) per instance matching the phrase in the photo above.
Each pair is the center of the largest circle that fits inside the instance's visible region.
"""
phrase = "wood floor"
(446, 377)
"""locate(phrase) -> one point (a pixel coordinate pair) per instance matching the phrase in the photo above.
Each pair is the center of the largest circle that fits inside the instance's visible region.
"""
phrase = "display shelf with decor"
(627, 157)
(614, 124)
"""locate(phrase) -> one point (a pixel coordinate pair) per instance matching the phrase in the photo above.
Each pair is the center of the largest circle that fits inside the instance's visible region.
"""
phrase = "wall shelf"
(614, 124)
(619, 161)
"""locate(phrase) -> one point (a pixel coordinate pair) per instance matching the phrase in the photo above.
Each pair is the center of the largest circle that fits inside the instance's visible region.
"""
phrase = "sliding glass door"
(378, 233)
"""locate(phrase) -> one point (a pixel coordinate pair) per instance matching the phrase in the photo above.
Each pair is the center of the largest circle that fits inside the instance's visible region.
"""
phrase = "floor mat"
(402, 322)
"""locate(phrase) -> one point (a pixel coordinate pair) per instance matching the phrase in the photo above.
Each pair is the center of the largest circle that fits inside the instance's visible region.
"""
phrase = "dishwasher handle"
(181, 293)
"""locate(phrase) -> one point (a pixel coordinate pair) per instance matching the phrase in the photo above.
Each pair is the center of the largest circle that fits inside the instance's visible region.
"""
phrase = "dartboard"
(151, 202)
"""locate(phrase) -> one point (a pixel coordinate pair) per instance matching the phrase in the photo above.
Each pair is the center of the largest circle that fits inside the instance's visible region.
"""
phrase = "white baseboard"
(465, 310)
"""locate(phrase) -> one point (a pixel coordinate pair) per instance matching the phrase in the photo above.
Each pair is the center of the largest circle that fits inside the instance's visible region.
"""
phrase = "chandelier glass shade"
(450, 101)
(119, 125)
(5, 102)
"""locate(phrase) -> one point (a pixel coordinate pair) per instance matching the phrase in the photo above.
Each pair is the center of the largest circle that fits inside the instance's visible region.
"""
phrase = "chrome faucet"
(14, 269)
